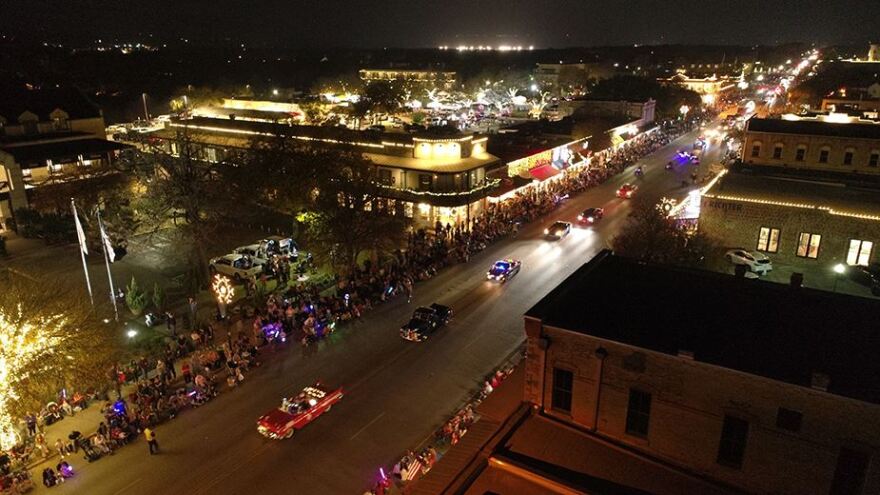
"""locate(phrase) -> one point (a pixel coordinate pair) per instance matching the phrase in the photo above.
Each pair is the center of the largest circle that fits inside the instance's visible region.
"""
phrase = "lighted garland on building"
(490, 184)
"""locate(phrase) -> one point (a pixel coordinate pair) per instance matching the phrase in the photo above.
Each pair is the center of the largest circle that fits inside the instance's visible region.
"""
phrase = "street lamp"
(146, 112)
(839, 269)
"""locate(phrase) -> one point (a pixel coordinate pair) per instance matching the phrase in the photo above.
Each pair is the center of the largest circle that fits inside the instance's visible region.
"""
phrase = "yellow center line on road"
(126, 487)
(368, 425)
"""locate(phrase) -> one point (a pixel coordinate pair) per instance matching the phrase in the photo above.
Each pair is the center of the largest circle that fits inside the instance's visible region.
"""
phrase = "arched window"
(801, 153)
(756, 149)
(848, 156)
(874, 158)
(777, 151)
(824, 153)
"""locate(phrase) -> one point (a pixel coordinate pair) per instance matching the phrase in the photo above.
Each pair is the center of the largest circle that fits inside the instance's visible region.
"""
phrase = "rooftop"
(805, 190)
(38, 153)
(809, 127)
(14, 101)
(761, 328)
(311, 132)
(533, 137)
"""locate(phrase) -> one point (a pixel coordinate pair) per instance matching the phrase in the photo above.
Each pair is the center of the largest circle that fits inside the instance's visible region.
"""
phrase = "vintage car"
(296, 412)
(424, 321)
(502, 270)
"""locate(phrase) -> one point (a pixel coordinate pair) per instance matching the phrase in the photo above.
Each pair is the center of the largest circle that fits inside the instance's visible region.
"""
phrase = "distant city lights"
(486, 48)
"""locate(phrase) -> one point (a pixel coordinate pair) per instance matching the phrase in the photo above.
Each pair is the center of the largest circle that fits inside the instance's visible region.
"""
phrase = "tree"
(48, 343)
(135, 298)
(182, 193)
(652, 236)
(635, 88)
(347, 215)
(159, 297)
(383, 96)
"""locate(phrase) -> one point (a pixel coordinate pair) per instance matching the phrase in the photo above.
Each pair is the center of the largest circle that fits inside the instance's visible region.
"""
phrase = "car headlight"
(590, 219)
(546, 231)
(580, 217)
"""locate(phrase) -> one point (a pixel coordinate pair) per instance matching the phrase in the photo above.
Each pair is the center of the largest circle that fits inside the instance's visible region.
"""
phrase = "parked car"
(257, 254)
(756, 262)
(869, 276)
(280, 246)
(238, 266)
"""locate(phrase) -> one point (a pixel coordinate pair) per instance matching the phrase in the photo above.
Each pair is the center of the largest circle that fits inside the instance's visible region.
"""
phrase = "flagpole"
(104, 240)
(82, 249)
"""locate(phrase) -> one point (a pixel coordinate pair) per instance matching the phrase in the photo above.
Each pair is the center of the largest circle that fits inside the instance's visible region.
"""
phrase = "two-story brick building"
(641, 378)
(46, 136)
(765, 387)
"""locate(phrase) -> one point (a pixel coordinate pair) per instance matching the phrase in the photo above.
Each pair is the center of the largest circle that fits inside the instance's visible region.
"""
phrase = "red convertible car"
(296, 412)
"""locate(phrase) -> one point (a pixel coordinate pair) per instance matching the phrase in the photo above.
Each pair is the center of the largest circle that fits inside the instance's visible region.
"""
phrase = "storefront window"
(808, 245)
(859, 252)
(768, 240)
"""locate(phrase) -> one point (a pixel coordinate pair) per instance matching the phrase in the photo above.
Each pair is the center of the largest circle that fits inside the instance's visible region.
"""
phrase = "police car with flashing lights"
(502, 270)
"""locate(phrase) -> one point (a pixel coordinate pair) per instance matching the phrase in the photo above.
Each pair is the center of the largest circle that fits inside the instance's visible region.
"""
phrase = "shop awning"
(61, 150)
(543, 172)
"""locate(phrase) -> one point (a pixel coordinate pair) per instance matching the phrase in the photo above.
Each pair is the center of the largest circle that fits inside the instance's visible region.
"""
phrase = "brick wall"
(689, 401)
(861, 148)
(737, 224)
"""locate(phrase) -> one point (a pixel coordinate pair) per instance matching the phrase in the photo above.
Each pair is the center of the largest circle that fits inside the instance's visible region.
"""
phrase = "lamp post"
(223, 293)
(146, 112)
(839, 269)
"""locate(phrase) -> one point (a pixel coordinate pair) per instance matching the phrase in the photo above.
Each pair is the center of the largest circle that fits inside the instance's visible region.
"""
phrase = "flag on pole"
(83, 250)
(108, 246)
(80, 235)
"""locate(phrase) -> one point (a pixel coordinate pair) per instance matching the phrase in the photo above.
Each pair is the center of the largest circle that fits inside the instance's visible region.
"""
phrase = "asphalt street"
(397, 392)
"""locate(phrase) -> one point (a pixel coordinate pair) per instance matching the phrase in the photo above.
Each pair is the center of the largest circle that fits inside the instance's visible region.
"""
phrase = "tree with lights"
(651, 235)
(46, 344)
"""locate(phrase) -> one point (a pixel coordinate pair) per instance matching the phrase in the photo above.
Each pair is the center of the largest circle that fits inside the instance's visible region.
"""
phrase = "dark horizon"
(417, 24)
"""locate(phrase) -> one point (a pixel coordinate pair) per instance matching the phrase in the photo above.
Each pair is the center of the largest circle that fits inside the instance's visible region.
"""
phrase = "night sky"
(428, 23)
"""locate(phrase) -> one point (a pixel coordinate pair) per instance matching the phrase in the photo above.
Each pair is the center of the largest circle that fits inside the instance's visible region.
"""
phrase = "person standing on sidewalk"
(150, 436)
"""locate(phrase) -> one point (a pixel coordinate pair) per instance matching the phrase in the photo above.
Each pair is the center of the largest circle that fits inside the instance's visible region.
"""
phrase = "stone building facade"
(834, 144)
(694, 395)
(756, 214)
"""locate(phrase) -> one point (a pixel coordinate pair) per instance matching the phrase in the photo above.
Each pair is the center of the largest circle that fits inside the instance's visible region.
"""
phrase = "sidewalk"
(87, 420)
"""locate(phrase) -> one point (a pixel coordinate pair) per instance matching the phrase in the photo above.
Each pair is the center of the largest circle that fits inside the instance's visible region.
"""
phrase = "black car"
(424, 321)
(869, 276)
(591, 216)
(558, 230)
